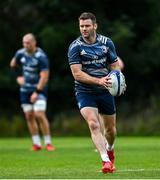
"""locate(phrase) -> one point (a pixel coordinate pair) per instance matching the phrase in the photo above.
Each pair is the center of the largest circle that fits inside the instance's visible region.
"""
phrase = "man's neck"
(31, 52)
(91, 39)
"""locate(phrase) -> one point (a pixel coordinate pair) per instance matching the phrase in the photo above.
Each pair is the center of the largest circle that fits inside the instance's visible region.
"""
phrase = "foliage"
(133, 26)
(14, 127)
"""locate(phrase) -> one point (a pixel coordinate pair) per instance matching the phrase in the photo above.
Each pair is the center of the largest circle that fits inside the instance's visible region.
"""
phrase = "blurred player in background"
(91, 57)
(33, 89)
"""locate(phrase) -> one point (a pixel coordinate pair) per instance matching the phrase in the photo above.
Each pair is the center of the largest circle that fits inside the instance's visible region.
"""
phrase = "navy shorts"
(104, 102)
(25, 97)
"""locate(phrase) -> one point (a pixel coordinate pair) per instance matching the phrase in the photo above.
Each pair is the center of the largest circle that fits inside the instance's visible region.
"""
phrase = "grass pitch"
(75, 158)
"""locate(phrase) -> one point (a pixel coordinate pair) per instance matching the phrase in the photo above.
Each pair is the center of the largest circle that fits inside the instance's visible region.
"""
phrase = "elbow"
(12, 64)
(119, 65)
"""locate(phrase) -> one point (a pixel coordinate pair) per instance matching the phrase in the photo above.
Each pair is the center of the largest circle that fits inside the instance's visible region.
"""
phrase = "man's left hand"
(34, 97)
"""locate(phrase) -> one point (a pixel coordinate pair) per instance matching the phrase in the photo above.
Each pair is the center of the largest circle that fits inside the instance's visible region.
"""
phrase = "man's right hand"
(105, 82)
(20, 80)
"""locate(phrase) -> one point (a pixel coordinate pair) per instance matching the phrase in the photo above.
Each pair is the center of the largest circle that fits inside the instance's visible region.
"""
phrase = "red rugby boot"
(107, 167)
(50, 147)
(111, 158)
(36, 147)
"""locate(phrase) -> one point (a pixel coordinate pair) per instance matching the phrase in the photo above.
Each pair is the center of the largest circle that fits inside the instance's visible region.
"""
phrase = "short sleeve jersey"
(31, 65)
(94, 59)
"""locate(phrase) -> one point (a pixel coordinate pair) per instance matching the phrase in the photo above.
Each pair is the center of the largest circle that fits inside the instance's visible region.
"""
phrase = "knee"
(29, 116)
(111, 131)
(38, 115)
(94, 125)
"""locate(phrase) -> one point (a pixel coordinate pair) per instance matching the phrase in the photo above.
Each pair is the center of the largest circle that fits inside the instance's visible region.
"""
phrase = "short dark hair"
(88, 15)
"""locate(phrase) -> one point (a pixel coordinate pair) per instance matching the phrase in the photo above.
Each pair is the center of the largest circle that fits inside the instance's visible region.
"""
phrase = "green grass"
(74, 158)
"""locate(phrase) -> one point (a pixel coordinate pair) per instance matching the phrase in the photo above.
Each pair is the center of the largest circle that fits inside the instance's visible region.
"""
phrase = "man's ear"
(95, 26)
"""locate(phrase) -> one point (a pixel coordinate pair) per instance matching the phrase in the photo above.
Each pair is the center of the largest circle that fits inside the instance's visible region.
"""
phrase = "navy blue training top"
(32, 65)
(94, 58)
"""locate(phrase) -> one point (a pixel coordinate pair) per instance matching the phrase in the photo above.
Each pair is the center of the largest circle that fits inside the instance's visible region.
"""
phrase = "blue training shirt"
(94, 59)
(32, 65)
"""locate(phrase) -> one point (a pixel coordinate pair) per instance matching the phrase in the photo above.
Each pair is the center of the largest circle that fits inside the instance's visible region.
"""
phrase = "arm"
(44, 76)
(115, 62)
(118, 65)
(13, 63)
(83, 77)
(14, 66)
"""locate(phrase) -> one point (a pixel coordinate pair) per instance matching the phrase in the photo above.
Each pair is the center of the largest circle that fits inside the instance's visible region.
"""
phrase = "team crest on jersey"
(23, 60)
(104, 49)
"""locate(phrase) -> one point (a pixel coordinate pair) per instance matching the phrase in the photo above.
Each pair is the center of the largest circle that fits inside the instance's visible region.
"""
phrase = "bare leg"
(110, 128)
(43, 122)
(101, 121)
(91, 116)
(45, 129)
(108, 124)
(34, 129)
(31, 122)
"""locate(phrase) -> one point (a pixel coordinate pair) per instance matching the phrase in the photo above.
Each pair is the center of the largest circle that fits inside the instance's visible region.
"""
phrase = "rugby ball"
(118, 83)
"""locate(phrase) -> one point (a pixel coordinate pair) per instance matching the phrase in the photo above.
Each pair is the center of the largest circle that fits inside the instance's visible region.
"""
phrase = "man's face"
(87, 28)
(29, 43)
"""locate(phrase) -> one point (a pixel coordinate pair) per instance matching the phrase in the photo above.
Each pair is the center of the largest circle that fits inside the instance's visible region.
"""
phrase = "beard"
(89, 36)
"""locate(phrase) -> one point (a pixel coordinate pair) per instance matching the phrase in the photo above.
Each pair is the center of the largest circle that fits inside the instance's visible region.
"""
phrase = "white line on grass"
(133, 170)
(136, 170)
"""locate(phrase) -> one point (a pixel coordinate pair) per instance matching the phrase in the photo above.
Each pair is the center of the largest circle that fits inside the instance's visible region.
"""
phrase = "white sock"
(47, 139)
(109, 147)
(105, 157)
(36, 140)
